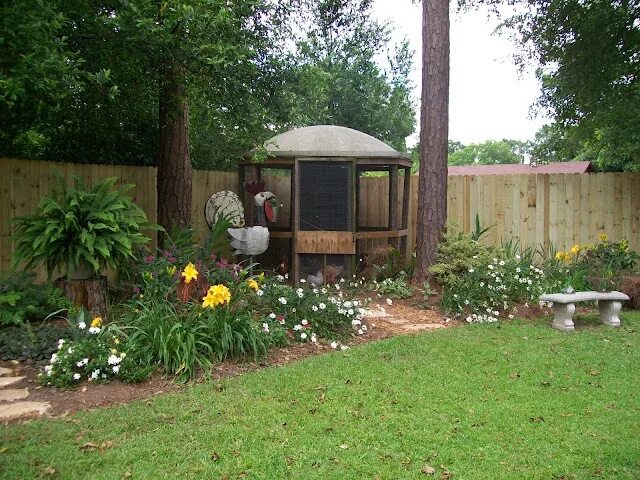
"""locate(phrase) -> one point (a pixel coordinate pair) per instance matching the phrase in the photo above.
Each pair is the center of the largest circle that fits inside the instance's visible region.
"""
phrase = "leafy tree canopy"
(80, 81)
(588, 57)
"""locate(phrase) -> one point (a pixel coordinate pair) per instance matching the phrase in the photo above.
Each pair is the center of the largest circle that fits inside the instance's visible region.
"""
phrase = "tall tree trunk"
(174, 162)
(434, 132)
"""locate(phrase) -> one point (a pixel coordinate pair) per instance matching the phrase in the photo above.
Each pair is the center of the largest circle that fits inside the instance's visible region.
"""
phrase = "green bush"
(393, 287)
(36, 343)
(457, 254)
(75, 228)
(22, 300)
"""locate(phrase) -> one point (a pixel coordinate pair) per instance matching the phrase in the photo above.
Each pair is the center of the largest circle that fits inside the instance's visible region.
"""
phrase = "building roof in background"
(519, 168)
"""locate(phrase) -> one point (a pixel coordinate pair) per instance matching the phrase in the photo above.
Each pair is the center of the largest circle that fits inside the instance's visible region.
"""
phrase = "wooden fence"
(540, 210)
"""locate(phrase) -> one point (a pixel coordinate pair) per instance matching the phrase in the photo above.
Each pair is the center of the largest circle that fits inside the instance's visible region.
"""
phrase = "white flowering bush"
(485, 293)
(95, 354)
(308, 313)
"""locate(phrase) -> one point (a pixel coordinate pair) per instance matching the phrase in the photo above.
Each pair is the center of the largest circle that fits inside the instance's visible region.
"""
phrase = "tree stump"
(90, 294)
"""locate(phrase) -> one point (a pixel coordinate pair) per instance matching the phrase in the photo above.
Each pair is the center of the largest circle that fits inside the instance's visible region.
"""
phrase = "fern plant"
(75, 228)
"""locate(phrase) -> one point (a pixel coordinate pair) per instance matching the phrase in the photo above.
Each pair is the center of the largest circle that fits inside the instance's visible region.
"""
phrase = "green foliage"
(393, 287)
(35, 343)
(394, 265)
(479, 230)
(489, 152)
(75, 227)
(22, 300)
(587, 63)
(458, 253)
(600, 266)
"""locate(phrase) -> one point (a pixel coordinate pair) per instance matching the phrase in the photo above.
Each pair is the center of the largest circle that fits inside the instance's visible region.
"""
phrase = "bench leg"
(609, 310)
(563, 316)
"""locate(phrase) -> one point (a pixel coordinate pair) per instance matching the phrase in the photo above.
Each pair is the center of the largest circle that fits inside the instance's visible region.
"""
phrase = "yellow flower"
(114, 351)
(189, 273)
(96, 322)
(261, 278)
(253, 285)
(575, 249)
(561, 256)
(116, 341)
(217, 295)
(171, 270)
(603, 237)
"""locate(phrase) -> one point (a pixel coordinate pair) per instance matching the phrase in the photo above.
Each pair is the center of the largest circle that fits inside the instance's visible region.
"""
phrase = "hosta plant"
(76, 229)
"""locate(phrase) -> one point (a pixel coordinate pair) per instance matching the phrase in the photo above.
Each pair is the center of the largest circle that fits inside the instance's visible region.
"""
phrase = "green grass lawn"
(516, 400)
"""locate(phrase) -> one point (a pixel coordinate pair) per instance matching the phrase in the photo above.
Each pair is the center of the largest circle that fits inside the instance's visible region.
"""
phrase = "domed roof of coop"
(328, 141)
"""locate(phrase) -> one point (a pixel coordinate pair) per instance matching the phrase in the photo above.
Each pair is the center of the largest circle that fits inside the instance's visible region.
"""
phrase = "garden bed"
(90, 395)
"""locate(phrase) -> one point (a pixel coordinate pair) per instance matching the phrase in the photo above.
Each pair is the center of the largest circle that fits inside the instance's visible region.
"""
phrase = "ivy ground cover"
(502, 400)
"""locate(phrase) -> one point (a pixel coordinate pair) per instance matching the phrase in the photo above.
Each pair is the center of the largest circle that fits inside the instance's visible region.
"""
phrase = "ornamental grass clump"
(76, 229)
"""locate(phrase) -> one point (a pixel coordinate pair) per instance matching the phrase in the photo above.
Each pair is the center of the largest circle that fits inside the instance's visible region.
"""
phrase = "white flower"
(94, 375)
(334, 345)
(293, 310)
(260, 293)
(344, 347)
(76, 376)
(490, 267)
(314, 338)
(304, 322)
(518, 257)
(82, 325)
(322, 306)
(302, 280)
(501, 263)
(282, 300)
(471, 270)
(510, 316)
(360, 331)
(272, 315)
(347, 304)
(54, 358)
(517, 269)
(94, 330)
(286, 275)
(265, 327)
(297, 327)
(60, 343)
(70, 350)
(350, 312)
(355, 323)
(314, 308)
(116, 368)
(48, 369)
(389, 301)
(113, 360)
(364, 328)
(482, 284)
(303, 335)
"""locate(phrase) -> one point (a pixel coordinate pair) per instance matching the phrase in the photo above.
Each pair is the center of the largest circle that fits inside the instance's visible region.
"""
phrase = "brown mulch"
(405, 316)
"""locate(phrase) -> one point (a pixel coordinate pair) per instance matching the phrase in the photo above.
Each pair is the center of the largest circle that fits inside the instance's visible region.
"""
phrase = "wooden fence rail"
(541, 210)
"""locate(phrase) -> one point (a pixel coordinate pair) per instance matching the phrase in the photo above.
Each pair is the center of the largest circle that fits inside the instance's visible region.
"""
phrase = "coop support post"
(406, 203)
(393, 204)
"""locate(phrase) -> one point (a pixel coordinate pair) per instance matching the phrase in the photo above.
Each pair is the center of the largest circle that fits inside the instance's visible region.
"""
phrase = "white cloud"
(488, 99)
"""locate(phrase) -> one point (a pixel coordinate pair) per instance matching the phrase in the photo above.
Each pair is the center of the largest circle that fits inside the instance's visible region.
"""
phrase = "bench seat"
(609, 304)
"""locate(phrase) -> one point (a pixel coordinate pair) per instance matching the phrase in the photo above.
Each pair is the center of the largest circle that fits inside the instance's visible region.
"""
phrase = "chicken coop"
(341, 190)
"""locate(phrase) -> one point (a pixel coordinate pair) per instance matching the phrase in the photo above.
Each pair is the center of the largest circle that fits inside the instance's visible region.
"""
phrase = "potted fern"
(80, 232)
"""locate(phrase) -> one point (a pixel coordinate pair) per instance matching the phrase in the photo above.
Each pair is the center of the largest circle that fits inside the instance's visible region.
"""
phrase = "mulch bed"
(91, 396)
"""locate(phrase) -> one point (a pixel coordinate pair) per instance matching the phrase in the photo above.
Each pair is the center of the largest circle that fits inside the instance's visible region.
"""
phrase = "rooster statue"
(249, 241)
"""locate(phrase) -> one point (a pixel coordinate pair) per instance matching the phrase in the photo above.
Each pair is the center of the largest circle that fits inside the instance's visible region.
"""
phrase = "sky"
(489, 99)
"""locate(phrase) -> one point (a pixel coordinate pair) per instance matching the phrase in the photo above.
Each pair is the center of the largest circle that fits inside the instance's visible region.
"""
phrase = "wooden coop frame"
(351, 240)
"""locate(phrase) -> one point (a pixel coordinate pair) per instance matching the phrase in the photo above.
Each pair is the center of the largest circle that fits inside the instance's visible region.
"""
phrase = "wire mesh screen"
(326, 195)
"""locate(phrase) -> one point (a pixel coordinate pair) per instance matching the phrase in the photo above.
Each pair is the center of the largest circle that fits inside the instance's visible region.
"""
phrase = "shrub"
(94, 353)
(393, 287)
(75, 228)
(457, 254)
(22, 300)
(37, 343)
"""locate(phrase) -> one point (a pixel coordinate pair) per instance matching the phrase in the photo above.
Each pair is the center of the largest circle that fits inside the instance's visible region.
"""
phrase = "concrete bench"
(609, 304)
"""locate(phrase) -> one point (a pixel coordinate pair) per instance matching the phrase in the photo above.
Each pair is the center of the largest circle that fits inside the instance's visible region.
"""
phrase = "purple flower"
(149, 259)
